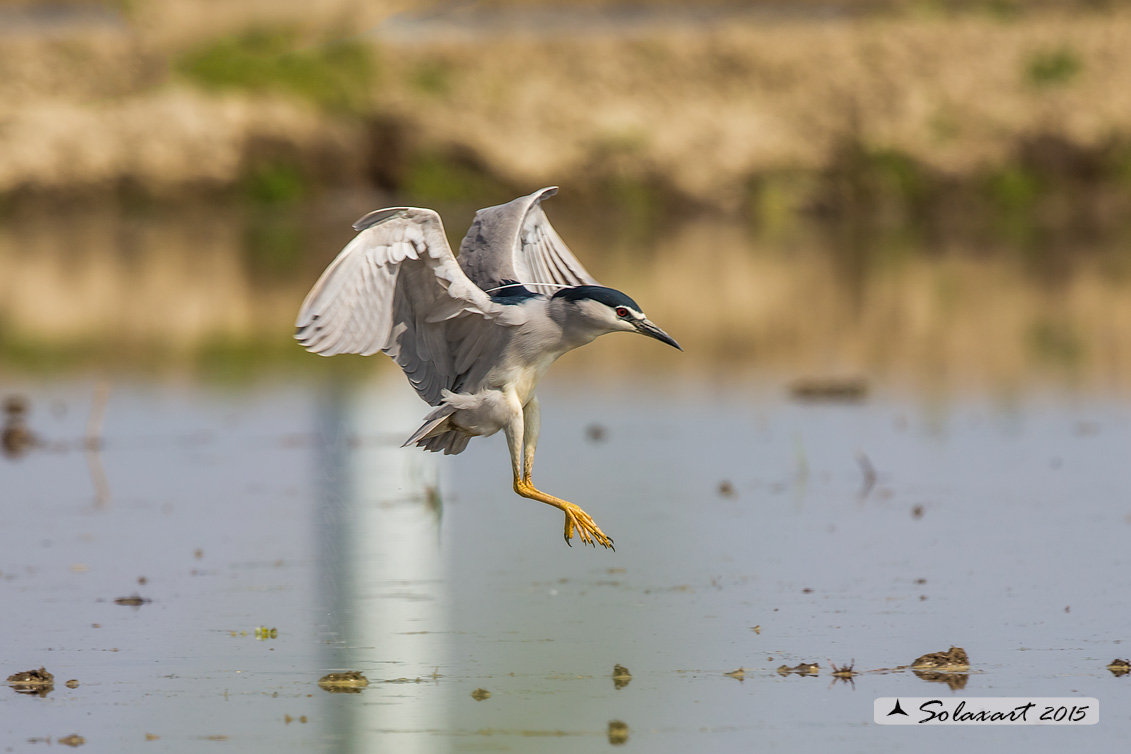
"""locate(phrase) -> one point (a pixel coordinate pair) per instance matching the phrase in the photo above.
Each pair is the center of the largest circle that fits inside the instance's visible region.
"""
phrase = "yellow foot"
(587, 529)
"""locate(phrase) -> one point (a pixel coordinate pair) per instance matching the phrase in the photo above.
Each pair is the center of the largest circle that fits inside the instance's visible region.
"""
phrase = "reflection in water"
(956, 680)
(92, 442)
(164, 285)
(383, 569)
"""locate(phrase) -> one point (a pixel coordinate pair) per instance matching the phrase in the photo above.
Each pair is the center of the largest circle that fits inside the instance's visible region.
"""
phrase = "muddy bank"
(838, 113)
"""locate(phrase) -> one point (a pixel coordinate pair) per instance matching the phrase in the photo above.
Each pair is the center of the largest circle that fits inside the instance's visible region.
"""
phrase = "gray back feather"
(515, 241)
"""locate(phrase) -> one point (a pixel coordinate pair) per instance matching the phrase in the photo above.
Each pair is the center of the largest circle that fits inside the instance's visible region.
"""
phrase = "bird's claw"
(587, 528)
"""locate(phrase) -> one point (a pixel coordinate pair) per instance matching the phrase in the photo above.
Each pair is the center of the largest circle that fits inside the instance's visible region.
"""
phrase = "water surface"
(748, 536)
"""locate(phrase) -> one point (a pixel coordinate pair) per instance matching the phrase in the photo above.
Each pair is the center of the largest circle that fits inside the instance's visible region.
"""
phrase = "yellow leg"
(522, 438)
(587, 529)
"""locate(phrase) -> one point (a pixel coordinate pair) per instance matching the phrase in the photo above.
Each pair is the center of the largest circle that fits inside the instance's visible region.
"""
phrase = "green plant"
(335, 75)
(1013, 188)
(432, 78)
(442, 177)
(276, 182)
(1053, 67)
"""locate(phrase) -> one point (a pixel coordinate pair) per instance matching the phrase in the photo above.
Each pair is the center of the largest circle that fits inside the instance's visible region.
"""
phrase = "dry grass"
(706, 111)
(699, 110)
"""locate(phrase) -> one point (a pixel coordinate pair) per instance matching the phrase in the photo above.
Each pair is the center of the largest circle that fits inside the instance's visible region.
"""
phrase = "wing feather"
(515, 241)
(397, 288)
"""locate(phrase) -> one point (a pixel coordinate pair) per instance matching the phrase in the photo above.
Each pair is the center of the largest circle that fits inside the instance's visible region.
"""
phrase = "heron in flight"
(473, 336)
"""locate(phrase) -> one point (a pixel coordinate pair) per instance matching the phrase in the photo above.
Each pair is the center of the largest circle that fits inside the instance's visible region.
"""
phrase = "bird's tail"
(436, 434)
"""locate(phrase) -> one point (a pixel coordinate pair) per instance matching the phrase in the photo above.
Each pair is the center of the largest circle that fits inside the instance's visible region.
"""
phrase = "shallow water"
(998, 525)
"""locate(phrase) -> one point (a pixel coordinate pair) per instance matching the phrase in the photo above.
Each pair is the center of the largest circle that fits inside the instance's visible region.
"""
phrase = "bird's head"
(599, 310)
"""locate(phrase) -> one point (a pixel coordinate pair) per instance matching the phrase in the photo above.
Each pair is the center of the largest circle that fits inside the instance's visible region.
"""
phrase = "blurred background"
(892, 237)
(909, 190)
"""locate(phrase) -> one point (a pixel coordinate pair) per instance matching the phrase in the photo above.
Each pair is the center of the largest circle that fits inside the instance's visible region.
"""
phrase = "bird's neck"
(573, 328)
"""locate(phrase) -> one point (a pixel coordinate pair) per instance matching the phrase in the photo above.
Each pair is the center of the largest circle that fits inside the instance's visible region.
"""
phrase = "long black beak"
(645, 327)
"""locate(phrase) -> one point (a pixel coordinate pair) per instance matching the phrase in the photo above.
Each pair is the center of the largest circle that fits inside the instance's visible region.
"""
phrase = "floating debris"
(134, 600)
(843, 671)
(803, 668)
(349, 682)
(739, 674)
(263, 633)
(621, 676)
(16, 439)
(72, 684)
(829, 389)
(74, 740)
(726, 489)
(1119, 667)
(618, 733)
(480, 694)
(954, 659)
(15, 406)
(32, 682)
(949, 667)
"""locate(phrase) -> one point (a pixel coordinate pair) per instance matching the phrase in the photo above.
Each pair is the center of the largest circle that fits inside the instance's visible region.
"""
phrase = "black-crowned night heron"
(473, 337)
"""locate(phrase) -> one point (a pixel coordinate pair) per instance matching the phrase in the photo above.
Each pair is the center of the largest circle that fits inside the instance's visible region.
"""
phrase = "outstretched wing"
(515, 242)
(397, 288)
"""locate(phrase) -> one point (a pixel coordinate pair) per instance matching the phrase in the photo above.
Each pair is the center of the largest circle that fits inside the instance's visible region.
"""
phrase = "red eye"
(622, 312)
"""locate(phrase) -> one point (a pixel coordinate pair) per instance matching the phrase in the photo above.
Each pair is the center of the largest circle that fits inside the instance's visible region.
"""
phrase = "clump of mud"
(803, 668)
(951, 660)
(349, 682)
(1119, 667)
(480, 694)
(33, 682)
(16, 438)
(949, 667)
(618, 733)
(829, 389)
(621, 676)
